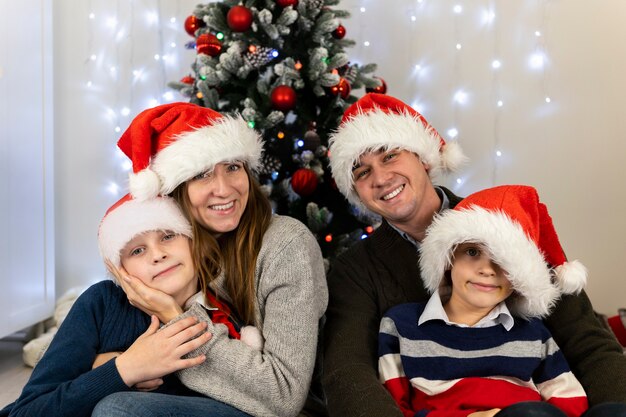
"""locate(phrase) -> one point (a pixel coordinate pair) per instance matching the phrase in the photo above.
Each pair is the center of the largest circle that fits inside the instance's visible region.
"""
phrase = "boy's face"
(162, 260)
(478, 284)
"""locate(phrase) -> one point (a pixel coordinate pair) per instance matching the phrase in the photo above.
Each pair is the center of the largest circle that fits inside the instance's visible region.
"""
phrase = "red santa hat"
(517, 230)
(129, 217)
(378, 121)
(172, 143)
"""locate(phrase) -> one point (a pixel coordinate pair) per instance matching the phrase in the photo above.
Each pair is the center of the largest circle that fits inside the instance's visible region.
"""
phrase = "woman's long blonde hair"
(235, 253)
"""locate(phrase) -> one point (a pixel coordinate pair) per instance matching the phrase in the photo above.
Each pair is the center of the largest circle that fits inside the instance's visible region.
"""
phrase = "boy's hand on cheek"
(149, 300)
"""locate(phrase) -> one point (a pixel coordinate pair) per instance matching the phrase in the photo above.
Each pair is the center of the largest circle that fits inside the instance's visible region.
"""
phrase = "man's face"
(393, 184)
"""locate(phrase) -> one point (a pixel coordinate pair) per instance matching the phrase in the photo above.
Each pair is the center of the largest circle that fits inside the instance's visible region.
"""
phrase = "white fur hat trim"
(135, 217)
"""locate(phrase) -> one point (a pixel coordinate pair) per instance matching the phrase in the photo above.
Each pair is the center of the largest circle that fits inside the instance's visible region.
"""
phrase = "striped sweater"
(447, 371)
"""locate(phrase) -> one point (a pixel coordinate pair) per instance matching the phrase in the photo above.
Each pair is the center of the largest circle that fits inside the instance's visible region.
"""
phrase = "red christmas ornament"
(339, 33)
(304, 182)
(188, 80)
(341, 89)
(192, 23)
(239, 18)
(207, 43)
(285, 3)
(283, 98)
(381, 89)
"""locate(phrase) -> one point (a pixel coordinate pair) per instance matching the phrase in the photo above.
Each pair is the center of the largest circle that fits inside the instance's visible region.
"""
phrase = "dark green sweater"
(381, 272)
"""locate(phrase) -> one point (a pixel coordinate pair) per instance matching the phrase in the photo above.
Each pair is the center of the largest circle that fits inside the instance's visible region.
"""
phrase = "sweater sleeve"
(593, 354)
(390, 369)
(557, 385)
(63, 383)
(292, 297)
(350, 381)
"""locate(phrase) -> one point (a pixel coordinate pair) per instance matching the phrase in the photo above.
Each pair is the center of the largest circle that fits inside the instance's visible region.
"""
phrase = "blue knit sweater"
(63, 383)
(444, 370)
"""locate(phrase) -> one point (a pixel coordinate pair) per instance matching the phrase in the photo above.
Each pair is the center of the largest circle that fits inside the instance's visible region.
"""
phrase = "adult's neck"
(417, 225)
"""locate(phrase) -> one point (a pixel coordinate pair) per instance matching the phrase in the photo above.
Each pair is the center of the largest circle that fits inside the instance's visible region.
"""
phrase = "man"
(383, 157)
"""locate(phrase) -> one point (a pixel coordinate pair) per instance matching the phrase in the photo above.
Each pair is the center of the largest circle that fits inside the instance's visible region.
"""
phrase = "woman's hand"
(488, 413)
(149, 300)
(158, 353)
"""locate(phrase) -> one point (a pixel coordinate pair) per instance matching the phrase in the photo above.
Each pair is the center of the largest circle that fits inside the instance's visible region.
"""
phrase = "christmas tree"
(282, 65)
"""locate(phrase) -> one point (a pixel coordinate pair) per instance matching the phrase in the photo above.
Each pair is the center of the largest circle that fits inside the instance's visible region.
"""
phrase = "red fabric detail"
(389, 105)
(400, 390)
(464, 397)
(573, 406)
(155, 128)
(617, 325)
(521, 203)
(222, 314)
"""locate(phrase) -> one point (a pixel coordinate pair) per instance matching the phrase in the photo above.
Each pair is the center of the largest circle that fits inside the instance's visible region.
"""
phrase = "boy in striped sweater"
(494, 267)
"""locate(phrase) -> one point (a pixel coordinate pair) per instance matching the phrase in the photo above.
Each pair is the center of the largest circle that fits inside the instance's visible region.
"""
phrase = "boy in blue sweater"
(494, 267)
(150, 240)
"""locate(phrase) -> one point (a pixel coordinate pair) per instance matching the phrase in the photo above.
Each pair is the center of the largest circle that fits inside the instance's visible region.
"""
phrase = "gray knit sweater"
(291, 298)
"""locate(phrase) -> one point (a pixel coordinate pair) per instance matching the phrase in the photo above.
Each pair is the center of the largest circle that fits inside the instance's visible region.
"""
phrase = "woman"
(269, 268)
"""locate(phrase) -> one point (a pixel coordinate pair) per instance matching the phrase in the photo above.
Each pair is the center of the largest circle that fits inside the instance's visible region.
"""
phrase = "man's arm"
(594, 355)
(350, 378)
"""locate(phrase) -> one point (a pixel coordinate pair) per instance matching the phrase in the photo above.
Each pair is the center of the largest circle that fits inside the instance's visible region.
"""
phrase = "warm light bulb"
(113, 188)
(453, 133)
(458, 46)
(495, 64)
(548, 99)
(366, 43)
(500, 103)
(537, 60)
(458, 9)
(92, 16)
(460, 97)
(498, 153)
(125, 111)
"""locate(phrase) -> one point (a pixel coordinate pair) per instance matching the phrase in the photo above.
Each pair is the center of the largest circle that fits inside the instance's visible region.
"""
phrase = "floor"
(13, 373)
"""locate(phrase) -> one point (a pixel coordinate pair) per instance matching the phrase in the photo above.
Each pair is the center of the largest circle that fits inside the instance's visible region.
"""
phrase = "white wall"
(122, 35)
(572, 149)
